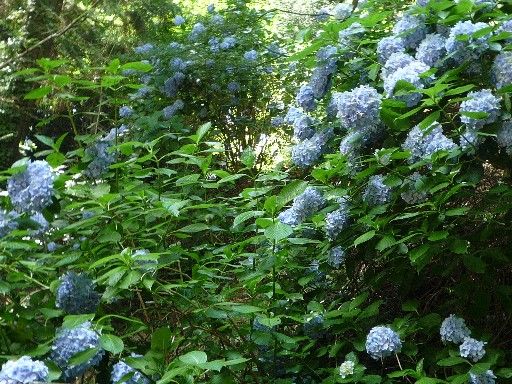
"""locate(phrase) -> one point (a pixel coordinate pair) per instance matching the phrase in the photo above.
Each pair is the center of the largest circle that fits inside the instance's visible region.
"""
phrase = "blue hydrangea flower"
(322, 14)
(336, 257)
(76, 294)
(273, 49)
(388, 46)
(472, 349)
(313, 328)
(350, 35)
(277, 121)
(258, 326)
(172, 109)
(411, 74)
(342, 11)
(101, 157)
(217, 20)
(422, 3)
(480, 101)
(359, 108)
(506, 26)
(24, 371)
(376, 192)
(306, 98)
(143, 49)
(42, 225)
(178, 20)
(382, 342)
(173, 84)
(8, 222)
(304, 206)
(326, 54)
(502, 70)
(432, 50)
(468, 49)
(197, 30)
(228, 43)
(52, 246)
(178, 64)
(125, 111)
(211, 8)
(424, 143)
(411, 29)
(394, 62)
(141, 93)
(411, 195)
(251, 55)
(453, 329)
(352, 144)
(486, 4)
(320, 80)
(292, 115)
(234, 87)
(121, 369)
(303, 127)
(483, 378)
(504, 136)
(307, 152)
(337, 220)
(69, 342)
(32, 189)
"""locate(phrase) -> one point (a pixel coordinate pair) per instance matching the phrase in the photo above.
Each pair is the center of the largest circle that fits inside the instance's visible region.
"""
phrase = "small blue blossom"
(469, 49)
(292, 115)
(303, 127)
(453, 329)
(382, 342)
(388, 46)
(76, 294)
(251, 55)
(176, 45)
(480, 101)
(52, 246)
(307, 152)
(411, 74)
(306, 98)
(125, 111)
(472, 349)
(313, 328)
(304, 206)
(504, 136)
(483, 378)
(228, 43)
(424, 143)
(326, 54)
(359, 108)
(432, 50)
(178, 64)
(141, 93)
(277, 121)
(178, 20)
(8, 222)
(506, 26)
(336, 257)
(101, 157)
(411, 29)
(217, 20)
(121, 369)
(394, 62)
(32, 189)
(322, 14)
(320, 80)
(42, 225)
(173, 84)
(349, 36)
(24, 371)
(172, 109)
(338, 220)
(342, 11)
(376, 192)
(143, 49)
(197, 30)
(411, 195)
(211, 8)
(69, 342)
(502, 70)
(234, 87)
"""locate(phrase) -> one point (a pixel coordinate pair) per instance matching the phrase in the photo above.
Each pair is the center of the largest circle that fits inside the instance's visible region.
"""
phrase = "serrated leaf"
(451, 361)
(194, 358)
(364, 238)
(111, 343)
(278, 231)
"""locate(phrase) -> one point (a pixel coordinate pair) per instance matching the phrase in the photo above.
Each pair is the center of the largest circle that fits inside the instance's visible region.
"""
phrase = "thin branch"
(51, 37)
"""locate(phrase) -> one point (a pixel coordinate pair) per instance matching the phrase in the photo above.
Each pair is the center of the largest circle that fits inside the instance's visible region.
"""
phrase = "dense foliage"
(171, 235)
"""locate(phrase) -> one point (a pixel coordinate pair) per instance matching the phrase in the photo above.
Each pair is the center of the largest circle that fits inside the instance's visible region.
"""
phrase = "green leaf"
(364, 238)
(194, 358)
(278, 231)
(137, 66)
(111, 343)
(451, 361)
(83, 356)
(38, 93)
(201, 131)
(244, 216)
(217, 365)
(193, 228)
(72, 321)
(438, 235)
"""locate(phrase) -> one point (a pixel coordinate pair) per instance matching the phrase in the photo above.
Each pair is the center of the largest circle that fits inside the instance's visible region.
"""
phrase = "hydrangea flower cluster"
(477, 102)
(336, 221)
(313, 328)
(483, 378)
(382, 342)
(411, 74)
(502, 70)
(69, 342)
(472, 349)
(394, 62)
(125, 111)
(121, 369)
(424, 143)
(173, 84)
(469, 49)
(412, 195)
(76, 294)
(172, 109)
(307, 152)
(304, 206)
(178, 20)
(431, 50)
(306, 98)
(32, 189)
(411, 29)
(24, 371)
(359, 108)
(454, 329)
(8, 222)
(347, 368)
(504, 136)
(197, 30)
(349, 36)
(41, 224)
(336, 257)
(101, 157)
(228, 43)
(388, 46)
(376, 192)
(342, 11)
